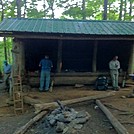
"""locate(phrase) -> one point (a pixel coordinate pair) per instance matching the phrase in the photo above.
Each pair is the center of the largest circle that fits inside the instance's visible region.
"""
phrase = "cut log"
(52, 105)
(116, 124)
(31, 101)
(24, 128)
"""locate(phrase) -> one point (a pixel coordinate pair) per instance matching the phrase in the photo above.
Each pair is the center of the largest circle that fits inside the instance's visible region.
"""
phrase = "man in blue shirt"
(46, 66)
(7, 72)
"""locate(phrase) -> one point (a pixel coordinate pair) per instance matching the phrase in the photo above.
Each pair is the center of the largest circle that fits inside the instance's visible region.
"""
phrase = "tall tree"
(105, 10)
(18, 4)
(25, 8)
(121, 9)
(125, 9)
(83, 10)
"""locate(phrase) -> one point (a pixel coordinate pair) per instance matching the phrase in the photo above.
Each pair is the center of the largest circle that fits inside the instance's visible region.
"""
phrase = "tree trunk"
(105, 10)
(18, 4)
(25, 7)
(130, 9)
(121, 5)
(83, 10)
(125, 10)
(2, 8)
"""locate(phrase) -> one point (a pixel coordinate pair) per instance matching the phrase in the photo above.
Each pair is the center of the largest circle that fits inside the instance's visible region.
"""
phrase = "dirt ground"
(117, 104)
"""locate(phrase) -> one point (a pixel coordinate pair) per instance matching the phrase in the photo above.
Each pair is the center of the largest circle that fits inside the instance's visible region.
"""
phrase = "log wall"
(72, 78)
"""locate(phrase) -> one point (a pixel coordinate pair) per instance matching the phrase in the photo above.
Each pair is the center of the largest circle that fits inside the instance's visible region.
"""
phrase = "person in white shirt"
(114, 66)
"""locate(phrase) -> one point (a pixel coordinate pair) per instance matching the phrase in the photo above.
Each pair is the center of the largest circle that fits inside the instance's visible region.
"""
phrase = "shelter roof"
(53, 26)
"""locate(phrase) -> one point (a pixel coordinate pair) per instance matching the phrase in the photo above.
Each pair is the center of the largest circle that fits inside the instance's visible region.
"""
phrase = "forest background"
(119, 10)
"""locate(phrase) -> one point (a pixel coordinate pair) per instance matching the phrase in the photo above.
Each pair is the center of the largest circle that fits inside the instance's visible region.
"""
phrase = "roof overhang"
(59, 36)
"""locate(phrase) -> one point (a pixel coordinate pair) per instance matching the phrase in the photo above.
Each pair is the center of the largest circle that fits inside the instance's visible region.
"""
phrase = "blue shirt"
(7, 69)
(46, 64)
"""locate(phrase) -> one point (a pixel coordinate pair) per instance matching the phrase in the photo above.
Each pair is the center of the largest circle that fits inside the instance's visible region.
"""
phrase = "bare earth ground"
(9, 123)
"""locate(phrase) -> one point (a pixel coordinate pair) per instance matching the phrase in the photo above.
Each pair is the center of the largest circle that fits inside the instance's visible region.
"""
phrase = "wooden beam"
(22, 58)
(94, 60)
(116, 124)
(24, 128)
(52, 105)
(56, 36)
(31, 101)
(131, 60)
(59, 56)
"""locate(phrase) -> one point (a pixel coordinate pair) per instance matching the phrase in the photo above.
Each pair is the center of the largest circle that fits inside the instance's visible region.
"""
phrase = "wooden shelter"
(79, 49)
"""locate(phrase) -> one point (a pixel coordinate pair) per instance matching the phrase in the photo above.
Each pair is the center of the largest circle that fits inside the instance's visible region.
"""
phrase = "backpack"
(101, 83)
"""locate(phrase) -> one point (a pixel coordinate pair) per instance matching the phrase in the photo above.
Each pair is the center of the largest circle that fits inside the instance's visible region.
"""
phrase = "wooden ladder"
(17, 95)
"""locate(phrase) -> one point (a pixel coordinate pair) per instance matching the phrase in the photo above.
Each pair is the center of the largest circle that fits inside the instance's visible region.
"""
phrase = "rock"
(60, 127)
(50, 117)
(123, 97)
(80, 120)
(78, 126)
(81, 114)
(66, 114)
(52, 122)
(130, 96)
(79, 85)
(56, 111)
(60, 118)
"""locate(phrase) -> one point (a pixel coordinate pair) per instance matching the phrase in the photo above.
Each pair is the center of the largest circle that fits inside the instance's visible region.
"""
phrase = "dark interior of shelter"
(77, 55)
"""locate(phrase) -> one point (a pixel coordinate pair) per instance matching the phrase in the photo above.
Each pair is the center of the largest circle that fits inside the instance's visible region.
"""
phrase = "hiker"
(114, 66)
(46, 65)
(7, 73)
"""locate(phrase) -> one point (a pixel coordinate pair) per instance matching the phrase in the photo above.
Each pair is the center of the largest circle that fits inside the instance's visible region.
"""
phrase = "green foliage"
(2, 55)
(74, 12)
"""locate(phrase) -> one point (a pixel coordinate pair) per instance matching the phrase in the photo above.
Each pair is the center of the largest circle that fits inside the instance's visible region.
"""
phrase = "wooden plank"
(116, 124)
(31, 101)
(24, 128)
(52, 105)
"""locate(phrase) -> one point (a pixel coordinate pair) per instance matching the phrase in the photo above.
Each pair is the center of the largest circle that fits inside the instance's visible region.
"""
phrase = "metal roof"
(86, 27)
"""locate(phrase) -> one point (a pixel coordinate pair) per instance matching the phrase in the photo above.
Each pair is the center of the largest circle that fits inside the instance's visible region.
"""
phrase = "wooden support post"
(22, 58)
(59, 57)
(16, 58)
(16, 78)
(131, 60)
(116, 124)
(94, 62)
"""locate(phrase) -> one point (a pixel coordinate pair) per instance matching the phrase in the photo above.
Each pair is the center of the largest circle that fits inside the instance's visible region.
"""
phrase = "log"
(31, 101)
(116, 124)
(52, 105)
(24, 128)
